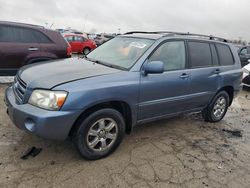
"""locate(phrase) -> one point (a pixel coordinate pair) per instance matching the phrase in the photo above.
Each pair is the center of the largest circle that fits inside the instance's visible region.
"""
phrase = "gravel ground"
(179, 152)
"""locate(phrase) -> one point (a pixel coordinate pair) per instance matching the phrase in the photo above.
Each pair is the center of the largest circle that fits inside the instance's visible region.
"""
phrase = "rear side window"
(6, 34)
(16, 34)
(225, 54)
(41, 38)
(199, 54)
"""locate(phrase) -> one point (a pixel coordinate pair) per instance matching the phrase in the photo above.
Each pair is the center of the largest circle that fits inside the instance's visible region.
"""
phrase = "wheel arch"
(121, 106)
(86, 47)
(230, 91)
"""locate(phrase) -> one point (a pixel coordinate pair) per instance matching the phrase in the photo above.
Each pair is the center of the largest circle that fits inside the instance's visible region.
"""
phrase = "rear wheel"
(217, 109)
(100, 134)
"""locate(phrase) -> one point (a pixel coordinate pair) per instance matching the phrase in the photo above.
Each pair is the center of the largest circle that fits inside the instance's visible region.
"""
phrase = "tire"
(91, 135)
(217, 108)
(86, 51)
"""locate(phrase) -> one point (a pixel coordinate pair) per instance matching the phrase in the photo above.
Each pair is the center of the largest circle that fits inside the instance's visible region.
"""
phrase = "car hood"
(53, 73)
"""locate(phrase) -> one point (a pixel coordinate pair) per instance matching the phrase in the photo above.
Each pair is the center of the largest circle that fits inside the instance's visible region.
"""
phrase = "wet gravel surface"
(179, 152)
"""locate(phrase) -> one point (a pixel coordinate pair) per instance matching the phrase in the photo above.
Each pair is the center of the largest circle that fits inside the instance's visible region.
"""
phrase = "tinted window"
(172, 54)
(16, 34)
(6, 34)
(214, 55)
(199, 54)
(41, 38)
(225, 55)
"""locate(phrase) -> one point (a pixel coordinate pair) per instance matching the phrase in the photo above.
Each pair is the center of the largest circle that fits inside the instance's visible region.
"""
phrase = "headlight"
(50, 100)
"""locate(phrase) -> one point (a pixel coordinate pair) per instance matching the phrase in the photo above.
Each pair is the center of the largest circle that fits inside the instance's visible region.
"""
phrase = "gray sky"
(224, 18)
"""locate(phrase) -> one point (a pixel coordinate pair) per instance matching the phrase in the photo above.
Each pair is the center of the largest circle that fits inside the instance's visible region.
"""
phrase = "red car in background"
(80, 44)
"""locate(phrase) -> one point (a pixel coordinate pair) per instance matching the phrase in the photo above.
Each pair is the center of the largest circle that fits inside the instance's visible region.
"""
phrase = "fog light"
(30, 125)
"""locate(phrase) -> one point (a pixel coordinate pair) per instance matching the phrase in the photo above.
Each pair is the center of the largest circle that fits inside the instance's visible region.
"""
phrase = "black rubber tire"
(80, 135)
(86, 49)
(207, 113)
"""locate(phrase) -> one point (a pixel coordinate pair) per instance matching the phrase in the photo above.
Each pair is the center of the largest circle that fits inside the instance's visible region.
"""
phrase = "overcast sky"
(225, 18)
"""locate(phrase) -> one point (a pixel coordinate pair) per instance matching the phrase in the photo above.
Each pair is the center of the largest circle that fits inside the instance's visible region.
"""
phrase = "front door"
(165, 94)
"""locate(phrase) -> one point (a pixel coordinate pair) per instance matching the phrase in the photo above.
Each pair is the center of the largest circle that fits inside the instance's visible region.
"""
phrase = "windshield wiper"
(104, 63)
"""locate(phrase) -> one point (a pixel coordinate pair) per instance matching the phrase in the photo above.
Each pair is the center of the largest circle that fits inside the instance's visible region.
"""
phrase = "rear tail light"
(93, 42)
(69, 51)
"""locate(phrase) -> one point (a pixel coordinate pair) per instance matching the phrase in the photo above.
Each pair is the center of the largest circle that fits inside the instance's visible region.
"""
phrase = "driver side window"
(172, 54)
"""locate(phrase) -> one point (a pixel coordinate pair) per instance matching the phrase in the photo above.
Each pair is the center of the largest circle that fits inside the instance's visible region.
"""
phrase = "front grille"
(19, 88)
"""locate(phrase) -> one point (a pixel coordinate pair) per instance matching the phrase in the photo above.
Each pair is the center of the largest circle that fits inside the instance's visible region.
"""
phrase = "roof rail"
(20, 23)
(167, 33)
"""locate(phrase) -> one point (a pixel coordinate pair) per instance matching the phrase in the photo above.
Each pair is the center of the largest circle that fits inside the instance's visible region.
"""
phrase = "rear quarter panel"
(56, 49)
(232, 75)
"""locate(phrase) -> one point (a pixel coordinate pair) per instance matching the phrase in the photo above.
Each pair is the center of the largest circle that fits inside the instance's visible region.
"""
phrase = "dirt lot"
(179, 152)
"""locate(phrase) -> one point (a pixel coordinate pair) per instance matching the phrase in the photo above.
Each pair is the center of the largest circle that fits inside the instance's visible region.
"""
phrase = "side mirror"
(154, 67)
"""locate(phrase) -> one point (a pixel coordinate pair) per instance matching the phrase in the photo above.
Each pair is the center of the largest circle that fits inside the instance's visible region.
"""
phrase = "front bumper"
(54, 125)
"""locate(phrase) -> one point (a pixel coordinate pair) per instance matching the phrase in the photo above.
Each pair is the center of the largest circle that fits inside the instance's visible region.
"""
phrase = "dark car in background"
(23, 44)
(244, 54)
(79, 43)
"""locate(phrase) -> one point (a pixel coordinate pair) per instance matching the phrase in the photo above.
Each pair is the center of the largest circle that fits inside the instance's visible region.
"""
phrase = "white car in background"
(246, 75)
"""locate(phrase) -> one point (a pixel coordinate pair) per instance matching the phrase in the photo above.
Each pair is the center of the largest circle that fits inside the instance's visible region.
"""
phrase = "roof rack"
(167, 33)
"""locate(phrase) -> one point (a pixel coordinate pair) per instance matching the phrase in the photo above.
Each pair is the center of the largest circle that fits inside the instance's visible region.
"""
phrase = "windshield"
(120, 52)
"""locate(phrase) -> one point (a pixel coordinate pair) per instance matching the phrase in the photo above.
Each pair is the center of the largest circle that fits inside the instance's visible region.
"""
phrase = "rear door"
(50, 48)
(205, 73)
(78, 44)
(70, 39)
(17, 45)
(165, 94)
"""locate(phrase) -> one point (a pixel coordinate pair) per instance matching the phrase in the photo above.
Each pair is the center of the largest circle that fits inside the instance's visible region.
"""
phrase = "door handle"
(217, 71)
(184, 76)
(33, 49)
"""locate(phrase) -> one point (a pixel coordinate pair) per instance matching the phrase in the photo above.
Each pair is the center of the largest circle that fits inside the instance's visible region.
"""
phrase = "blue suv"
(132, 79)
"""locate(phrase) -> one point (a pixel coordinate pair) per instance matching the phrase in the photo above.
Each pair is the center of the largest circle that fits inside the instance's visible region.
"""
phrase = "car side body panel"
(149, 97)
(122, 87)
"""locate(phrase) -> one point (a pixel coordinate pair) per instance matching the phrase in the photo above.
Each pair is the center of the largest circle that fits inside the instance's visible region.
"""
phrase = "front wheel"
(217, 109)
(100, 134)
